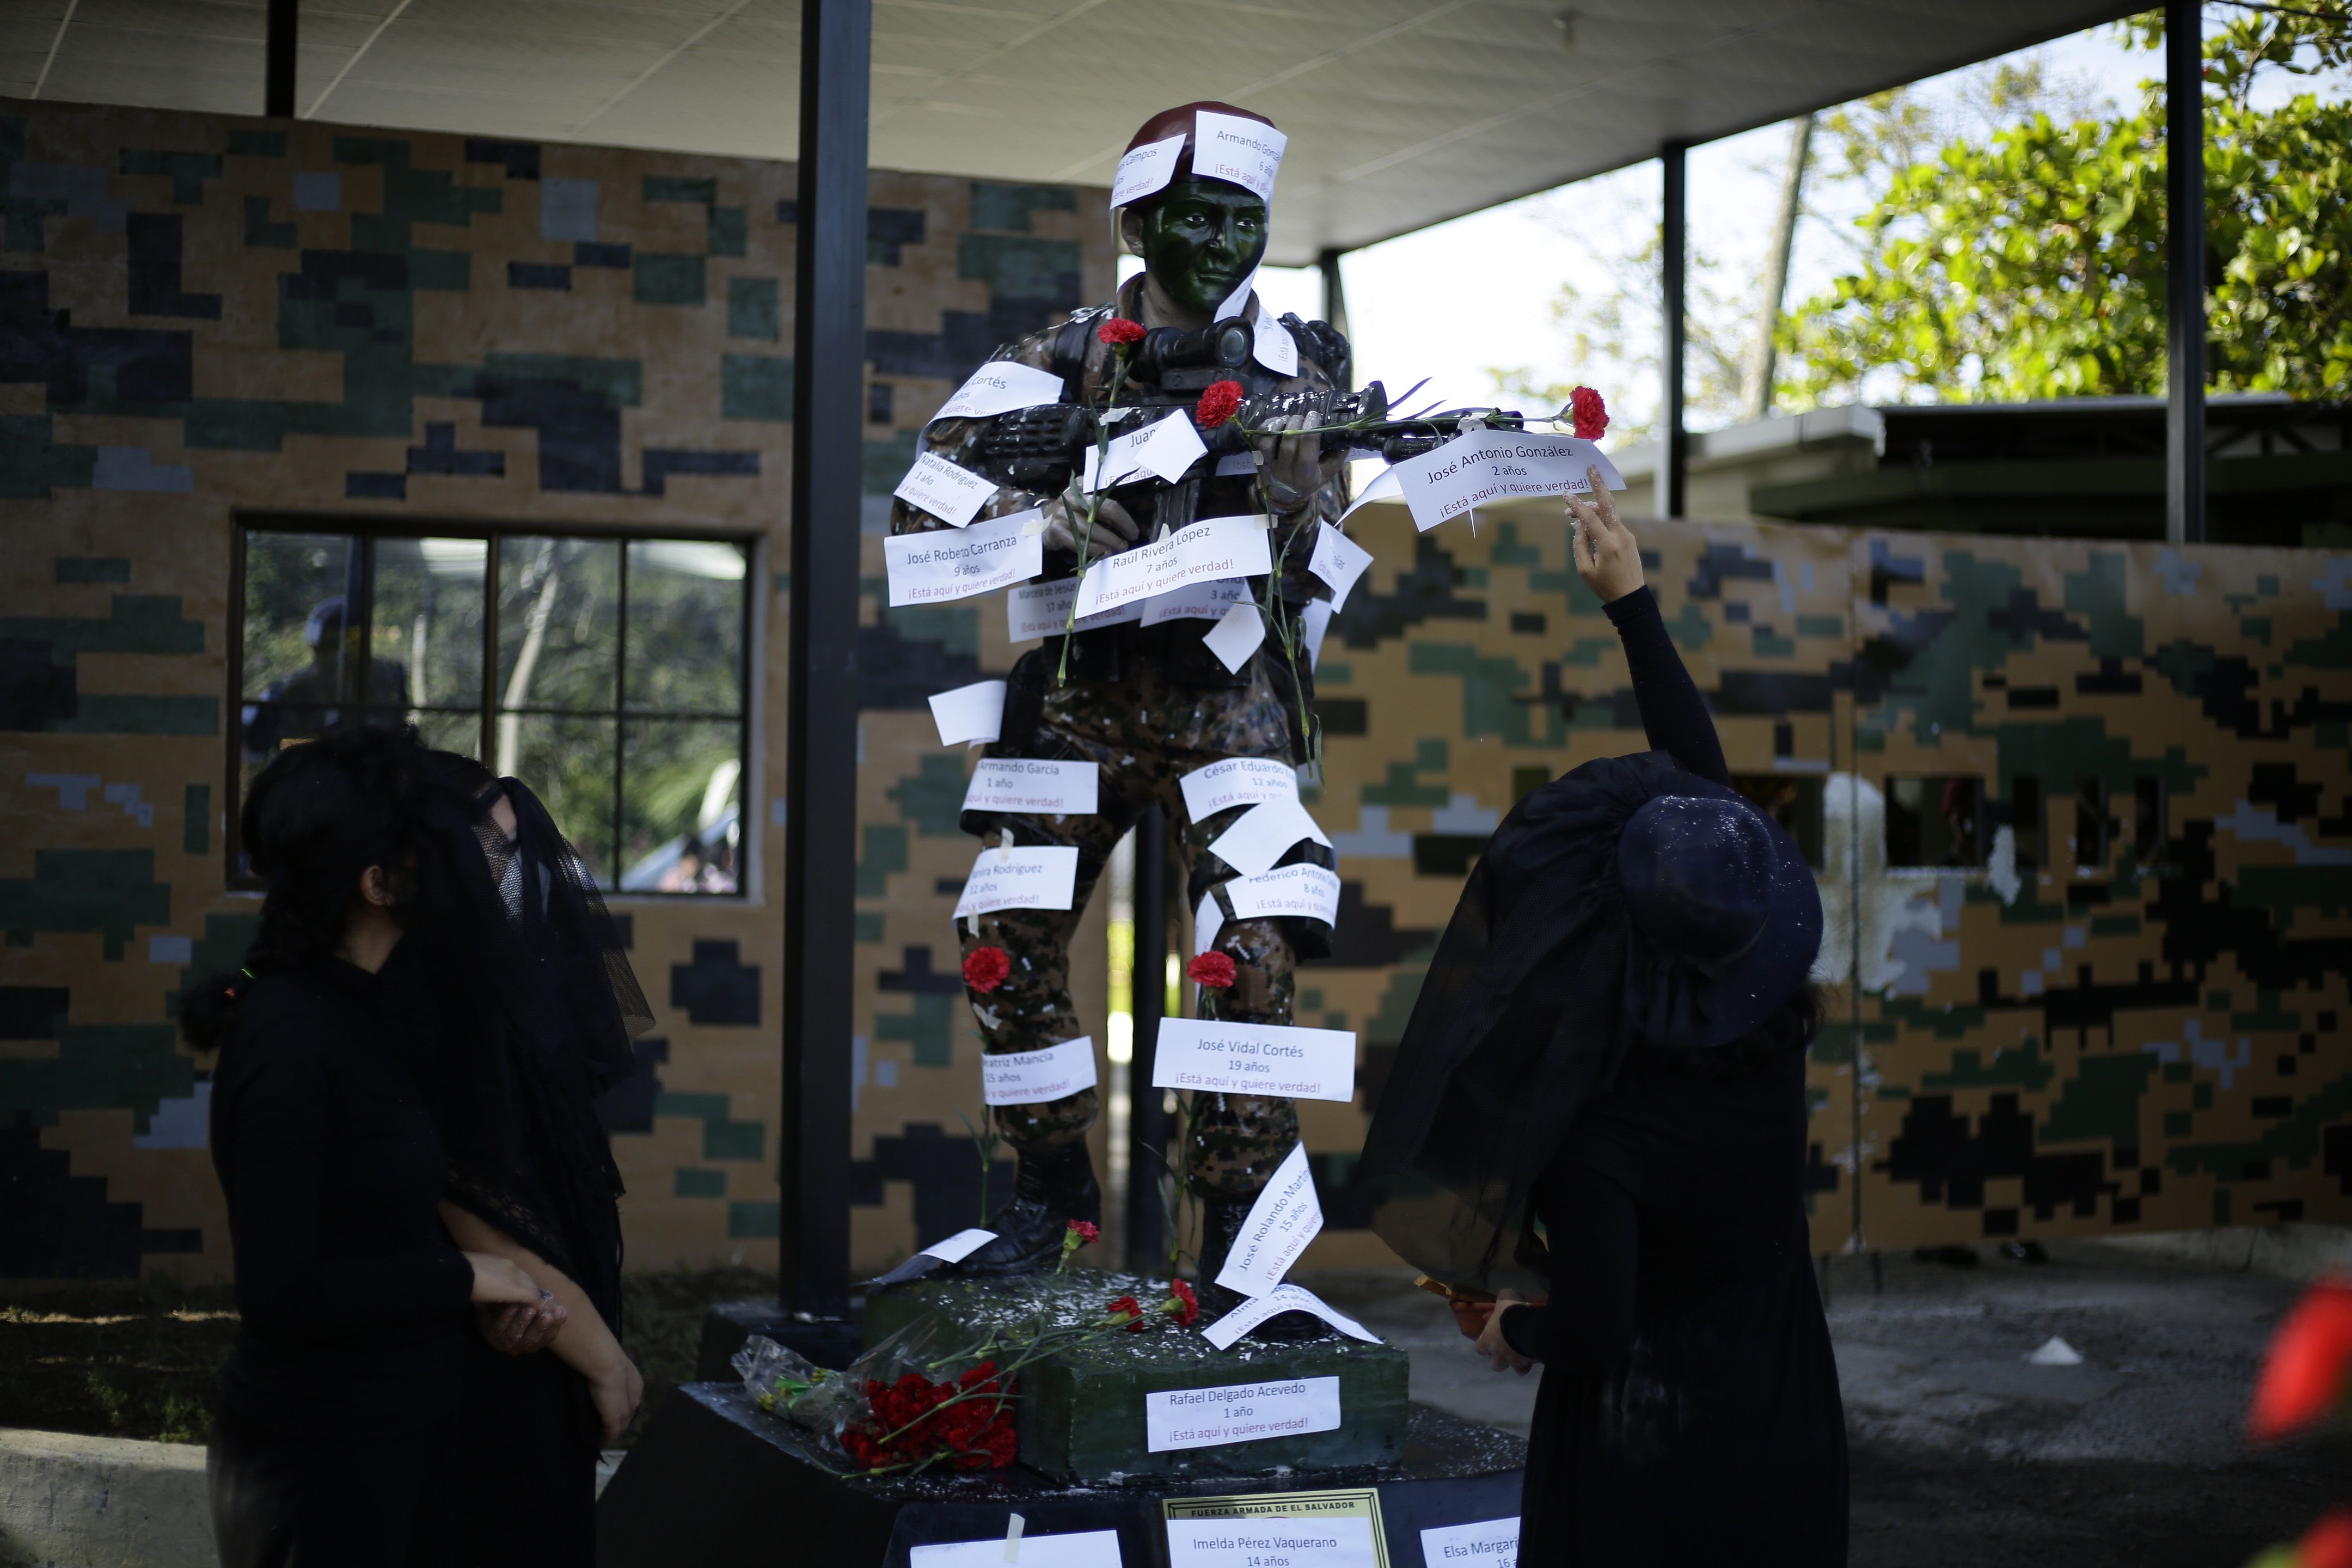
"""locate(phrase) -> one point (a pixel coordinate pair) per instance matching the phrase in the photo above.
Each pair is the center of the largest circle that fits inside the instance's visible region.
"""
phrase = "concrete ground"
(1966, 1455)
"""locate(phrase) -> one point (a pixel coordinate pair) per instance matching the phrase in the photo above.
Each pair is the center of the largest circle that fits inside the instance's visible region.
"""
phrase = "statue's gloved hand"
(1291, 462)
(1066, 525)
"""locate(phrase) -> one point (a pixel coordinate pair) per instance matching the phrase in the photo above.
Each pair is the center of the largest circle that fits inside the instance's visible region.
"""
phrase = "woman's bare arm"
(585, 1342)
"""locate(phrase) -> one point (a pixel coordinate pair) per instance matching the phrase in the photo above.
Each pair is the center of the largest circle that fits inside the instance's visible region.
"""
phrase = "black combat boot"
(1050, 1188)
(1221, 1225)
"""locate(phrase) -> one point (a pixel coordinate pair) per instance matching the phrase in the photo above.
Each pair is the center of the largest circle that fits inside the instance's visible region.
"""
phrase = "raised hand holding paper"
(1202, 552)
(1497, 465)
(1236, 780)
(1286, 1215)
(1255, 1058)
(947, 492)
(1040, 879)
(1265, 834)
(1000, 386)
(974, 712)
(932, 568)
(1033, 1077)
(1284, 1298)
(1033, 788)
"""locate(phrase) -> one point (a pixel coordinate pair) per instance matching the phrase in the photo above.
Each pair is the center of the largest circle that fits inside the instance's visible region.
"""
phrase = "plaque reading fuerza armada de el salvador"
(1338, 1529)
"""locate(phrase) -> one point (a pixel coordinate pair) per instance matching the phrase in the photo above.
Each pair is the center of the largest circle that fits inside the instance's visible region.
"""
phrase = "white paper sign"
(1264, 834)
(932, 568)
(1000, 386)
(1239, 634)
(1033, 788)
(1033, 1077)
(1040, 878)
(1084, 1549)
(947, 492)
(974, 712)
(1237, 303)
(1196, 602)
(1284, 1218)
(959, 1245)
(1492, 1543)
(1245, 152)
(1146, 168)
(1255, 1058)
(1207, 922)
(1272, 344)
(1163, 448)
(1256, 1542)
(1309, 892)
(1315, 621)
(1239, 1412)
(1281, 1299)
(1202, 552)
(1497, 465)
(1236, 780)
(1043, 610)
(1385, 485)
(1339, 561)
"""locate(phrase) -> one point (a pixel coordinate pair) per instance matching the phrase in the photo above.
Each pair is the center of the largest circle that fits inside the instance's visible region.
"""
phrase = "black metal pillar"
(821, 718)
(277, 60)
(1674, 446)
(1147, 1123)
(1335, 301)
(2184, 244)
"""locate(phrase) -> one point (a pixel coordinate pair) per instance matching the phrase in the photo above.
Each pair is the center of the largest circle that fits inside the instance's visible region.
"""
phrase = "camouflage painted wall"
(202, 315)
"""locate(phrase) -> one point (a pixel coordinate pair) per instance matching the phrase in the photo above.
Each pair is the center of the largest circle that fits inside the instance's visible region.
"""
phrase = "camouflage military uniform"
(1152, 705)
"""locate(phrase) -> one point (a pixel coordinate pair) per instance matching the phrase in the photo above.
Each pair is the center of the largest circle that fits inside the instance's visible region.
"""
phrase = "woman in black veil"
(522, 1009)
(1599, 1103)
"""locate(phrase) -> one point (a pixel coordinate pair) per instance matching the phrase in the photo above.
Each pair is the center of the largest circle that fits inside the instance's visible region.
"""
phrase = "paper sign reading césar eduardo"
(1284, 1218)
(1040, 878)
(1239, 1412)
(1043, 610)
(1254, 1058)
(1490, 1543)
(1084, 1549)
(1033, 1077)
(1201, 552)
(1033, 788)
(1236, 780)
(1000, 386)
(932, 568)
(947, 492)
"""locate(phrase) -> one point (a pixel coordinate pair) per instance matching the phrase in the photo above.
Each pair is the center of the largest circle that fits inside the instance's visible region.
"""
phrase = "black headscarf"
(526, 1009)
(1541, 985)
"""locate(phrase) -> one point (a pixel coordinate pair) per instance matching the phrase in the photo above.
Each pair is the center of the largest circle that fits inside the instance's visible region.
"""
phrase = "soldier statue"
(1151, 704)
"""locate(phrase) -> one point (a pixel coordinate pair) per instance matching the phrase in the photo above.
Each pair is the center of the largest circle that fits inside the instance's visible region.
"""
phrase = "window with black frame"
(608, 673)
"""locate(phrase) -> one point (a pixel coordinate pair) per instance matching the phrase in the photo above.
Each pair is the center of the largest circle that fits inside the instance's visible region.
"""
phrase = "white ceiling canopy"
(1400, 113)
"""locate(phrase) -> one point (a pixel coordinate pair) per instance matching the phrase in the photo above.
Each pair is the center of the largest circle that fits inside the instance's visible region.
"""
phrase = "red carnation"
(2303, 1375)
(1182, 1305)
(1087, 1230)
(985, 968)
(1218, 404)
(1118, 332)
(1130, 1312)
(1591, 413)
(2328, 1543)
(1215, 970)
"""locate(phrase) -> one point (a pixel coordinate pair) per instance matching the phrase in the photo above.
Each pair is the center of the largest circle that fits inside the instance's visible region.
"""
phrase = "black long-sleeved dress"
(1689, 1411)
(334, 1438)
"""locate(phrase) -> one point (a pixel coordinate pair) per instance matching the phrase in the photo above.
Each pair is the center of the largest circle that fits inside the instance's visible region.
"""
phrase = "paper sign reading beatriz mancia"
(1201, 552)
(1034, 788)
(1033, 1077)
(1239, 1412)
(934, 567)
(1040, 879)
(1254, 1058)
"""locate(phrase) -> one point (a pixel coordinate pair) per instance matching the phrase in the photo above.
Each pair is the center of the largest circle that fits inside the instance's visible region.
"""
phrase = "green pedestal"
(1082, 1410)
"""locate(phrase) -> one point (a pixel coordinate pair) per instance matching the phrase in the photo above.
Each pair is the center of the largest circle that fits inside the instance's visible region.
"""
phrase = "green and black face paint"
(1201, 239)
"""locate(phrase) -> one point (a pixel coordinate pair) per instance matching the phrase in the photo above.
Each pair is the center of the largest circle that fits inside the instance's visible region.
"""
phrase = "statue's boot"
(1051, 1187)
(1221, 1225)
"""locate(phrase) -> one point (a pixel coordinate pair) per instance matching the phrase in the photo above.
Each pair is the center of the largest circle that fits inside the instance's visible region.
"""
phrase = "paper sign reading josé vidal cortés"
(1239, 1412)
(932, 568)
(1042, 879)
(1202, 552)
(1033, 788)
(1000, 386)
(1284, 1218)
(1033, 1077)
(1236, 780)
(1487, 466)
(1254, 1058)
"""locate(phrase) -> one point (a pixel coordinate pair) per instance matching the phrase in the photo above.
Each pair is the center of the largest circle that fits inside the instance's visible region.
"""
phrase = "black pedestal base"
(716, 1482)
(828, 1341)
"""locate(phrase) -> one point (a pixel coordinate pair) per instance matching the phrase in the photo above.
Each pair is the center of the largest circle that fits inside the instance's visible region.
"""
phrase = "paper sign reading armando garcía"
(1034, 788)
(932, 568)
(1239, 1412)
(1042, 879)
(1254, 1058)
(1213, 548)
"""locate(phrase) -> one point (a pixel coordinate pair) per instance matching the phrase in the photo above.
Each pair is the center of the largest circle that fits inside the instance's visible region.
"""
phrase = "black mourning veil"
(1523, 1019)
(524, 996)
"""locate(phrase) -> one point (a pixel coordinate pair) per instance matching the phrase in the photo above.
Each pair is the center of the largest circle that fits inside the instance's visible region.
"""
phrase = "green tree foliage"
(2030, 264)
